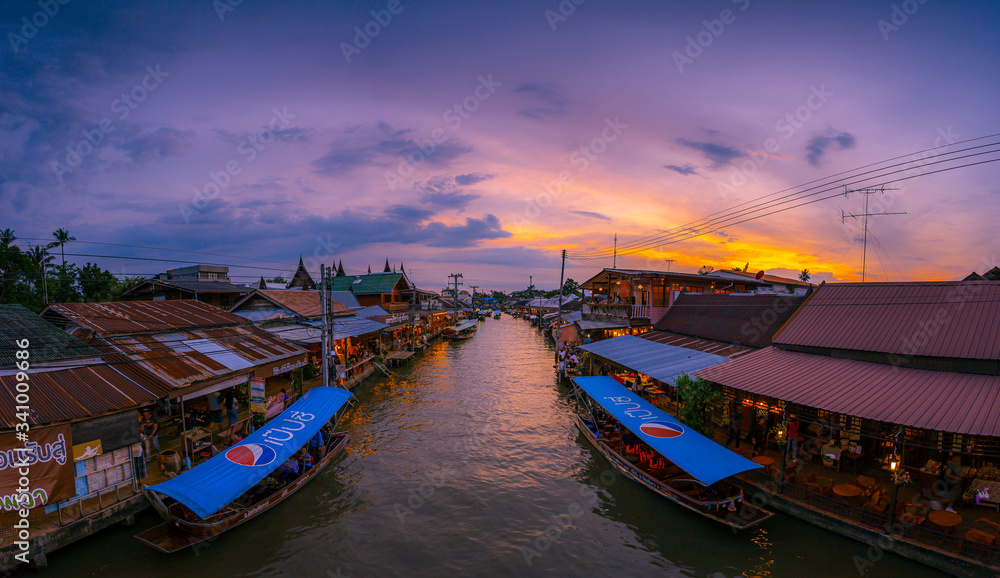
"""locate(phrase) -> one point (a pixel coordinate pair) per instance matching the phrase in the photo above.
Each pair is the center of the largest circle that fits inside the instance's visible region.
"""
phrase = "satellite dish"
(759, 275)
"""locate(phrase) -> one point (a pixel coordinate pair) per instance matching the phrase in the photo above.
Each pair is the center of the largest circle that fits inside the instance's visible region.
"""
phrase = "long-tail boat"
(463, 330)
(652, 448)
(250, 477)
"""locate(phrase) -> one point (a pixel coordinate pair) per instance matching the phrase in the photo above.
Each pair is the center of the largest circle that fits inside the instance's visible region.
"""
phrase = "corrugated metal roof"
(188, 285)
(369, 284)
(302, 303)
(750, 320)
(78, 393)
(713, 347)
(659, 361)
(772, 279)
(46, 341)
(935, 400)
(346, 298)
(126, 317)
(592, 324)
(177, 363)
(342, 328)
(371, 311)
(958, 319)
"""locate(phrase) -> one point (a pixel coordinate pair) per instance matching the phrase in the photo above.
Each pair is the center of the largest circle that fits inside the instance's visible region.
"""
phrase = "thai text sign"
(46, 461)
(258, 401)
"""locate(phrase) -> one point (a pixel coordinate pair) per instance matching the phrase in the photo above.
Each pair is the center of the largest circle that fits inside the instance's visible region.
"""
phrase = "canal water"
(467, 463)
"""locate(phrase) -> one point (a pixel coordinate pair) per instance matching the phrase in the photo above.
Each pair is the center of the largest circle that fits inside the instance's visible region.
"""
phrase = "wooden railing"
(620, 311)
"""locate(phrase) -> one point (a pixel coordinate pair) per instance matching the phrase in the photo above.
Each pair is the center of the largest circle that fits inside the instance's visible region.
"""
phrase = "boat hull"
(175, 533)
(745, 517)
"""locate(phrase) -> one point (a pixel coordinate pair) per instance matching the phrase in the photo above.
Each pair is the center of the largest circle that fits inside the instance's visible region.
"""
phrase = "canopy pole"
(184, 429)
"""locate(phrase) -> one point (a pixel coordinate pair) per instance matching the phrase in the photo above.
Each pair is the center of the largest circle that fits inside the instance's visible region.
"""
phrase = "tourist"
(793, 438)
(735, 422)
(759, 435)
(214, 410)
(232, 407)
(150, 433)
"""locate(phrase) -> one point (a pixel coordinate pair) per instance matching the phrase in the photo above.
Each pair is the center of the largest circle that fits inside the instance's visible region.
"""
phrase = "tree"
(62, 237)
(570, 287)
(40, 259)
(7, 237)
(95, 283)
(697, 396)
(124, 284)
(277, 279)
(804, 276)
(17, 275)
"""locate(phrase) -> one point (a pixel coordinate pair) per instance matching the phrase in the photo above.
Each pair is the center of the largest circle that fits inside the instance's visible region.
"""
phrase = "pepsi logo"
(660, 429)
(251, 455)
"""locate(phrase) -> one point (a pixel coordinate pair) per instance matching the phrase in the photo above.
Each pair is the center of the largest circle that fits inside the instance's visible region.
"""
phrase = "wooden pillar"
(784, 453)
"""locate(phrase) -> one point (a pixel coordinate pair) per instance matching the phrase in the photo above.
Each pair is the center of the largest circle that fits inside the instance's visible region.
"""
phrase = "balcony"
(638, 313)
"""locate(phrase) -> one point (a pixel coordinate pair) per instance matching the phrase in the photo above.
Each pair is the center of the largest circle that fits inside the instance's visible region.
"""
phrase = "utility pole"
(614, 262)
(454, 293)
(474, 287)
(413, 303)
(562, 272)
(844, 216)
(324, 348)
(669, 261)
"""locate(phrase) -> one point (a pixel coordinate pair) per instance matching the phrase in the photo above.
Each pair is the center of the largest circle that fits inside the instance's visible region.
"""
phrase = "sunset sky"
(432, 141)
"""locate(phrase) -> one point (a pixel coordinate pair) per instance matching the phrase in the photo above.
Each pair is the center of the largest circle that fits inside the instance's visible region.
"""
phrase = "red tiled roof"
(125, 317)
(955, 319)
(749, 320)
(78, 392)
(935, 400)
(725, 350)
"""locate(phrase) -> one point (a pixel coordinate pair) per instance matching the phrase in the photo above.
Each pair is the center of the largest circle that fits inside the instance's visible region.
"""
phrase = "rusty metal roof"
(714, 347)
(958, 319)
(46, 342)
(302, 303)
(133, 317)
(749, 320)
(936, 400)
(77, 393)
(185, 357)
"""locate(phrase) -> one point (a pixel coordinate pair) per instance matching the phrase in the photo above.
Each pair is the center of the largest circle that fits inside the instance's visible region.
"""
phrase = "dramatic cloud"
(592, 215)
(473, 178)
(720, 155)
(383, 146)
(684, 170)
(817, 145)
(156, 145)
(553, 103)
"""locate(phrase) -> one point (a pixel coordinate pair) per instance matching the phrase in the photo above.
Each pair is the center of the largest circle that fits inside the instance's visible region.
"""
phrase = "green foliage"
(804, 276)
(697, 396)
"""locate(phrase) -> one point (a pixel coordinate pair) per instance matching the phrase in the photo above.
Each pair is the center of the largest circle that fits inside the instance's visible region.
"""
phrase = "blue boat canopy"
(699, 456)
(658, 360)
(210, 486)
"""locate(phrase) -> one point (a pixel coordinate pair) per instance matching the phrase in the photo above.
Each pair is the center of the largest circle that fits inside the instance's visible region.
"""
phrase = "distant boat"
(237, 485)
(463, 330)
(662, 454)
(496, 315)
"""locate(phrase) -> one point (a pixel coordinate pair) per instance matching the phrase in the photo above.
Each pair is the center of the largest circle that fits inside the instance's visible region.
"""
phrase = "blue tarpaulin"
(694, 453)
(207, 488)
(658, 360)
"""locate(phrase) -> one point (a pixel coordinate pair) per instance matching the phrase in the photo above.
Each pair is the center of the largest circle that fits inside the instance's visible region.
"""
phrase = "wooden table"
(763, 460)
(944, 519)
(847, 490)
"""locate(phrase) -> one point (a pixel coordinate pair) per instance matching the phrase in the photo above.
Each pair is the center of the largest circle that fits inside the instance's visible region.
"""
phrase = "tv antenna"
(844, 216)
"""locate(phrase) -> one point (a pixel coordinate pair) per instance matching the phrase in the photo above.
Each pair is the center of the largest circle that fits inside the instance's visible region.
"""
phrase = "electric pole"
(454, 294)
(324, 348)
(844, 216)
(562, 272)
(413, 304)
(614, 262)
(474, 287)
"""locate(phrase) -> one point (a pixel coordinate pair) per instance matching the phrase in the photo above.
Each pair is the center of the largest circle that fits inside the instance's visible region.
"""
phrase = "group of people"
(569, 357)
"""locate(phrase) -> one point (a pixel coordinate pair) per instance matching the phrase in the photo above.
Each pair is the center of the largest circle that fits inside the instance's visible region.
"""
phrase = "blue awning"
(208, 487)
(694, 453)
(658, 360)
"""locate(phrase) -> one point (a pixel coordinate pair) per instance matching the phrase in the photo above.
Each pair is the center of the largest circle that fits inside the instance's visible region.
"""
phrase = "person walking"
(232, 407)
(149, 429)
(736, 423)
(793, 438)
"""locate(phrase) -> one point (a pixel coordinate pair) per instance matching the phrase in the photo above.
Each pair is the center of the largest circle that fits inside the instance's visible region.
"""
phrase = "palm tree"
(7, 237)
(40, 258)
(804, 276)
(62, 237)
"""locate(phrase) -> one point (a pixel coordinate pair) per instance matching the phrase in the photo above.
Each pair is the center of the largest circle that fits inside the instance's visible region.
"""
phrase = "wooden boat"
(240, 484)
(496, 315)
(721, 500)
(183, 528)
(463, 330)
